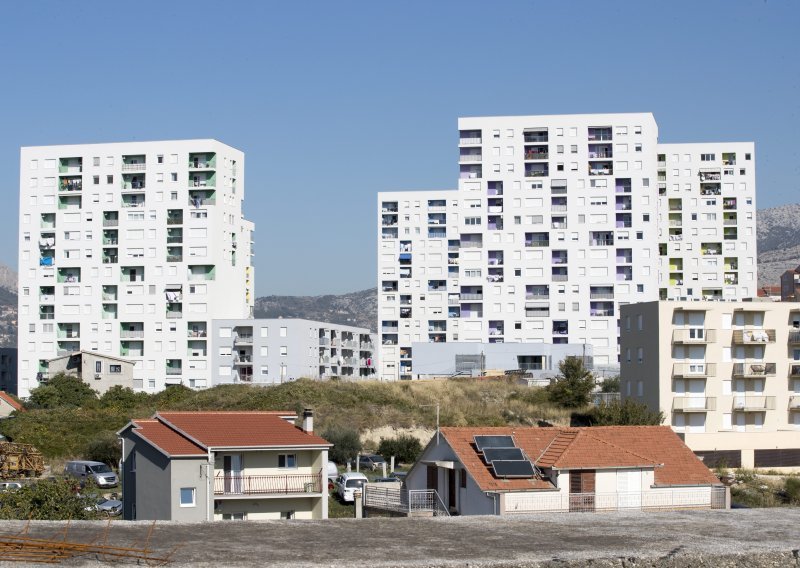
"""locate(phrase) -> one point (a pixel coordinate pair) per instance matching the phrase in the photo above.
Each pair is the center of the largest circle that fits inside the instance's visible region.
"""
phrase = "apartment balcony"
(710, 176)
(255, 485)
(70, 185)
(466, 158)
(729, 204)
(537, 170)
(698, 336)
(131, 334)
(753, 370)
(699, 370)
(203, 161)
(134, 167)
(753, 403)
(174, 314)
(751, 336)
(601, 168)
(173, 371)
(694, 403)
(601, 295)
(465, 297)
(470, 140)
(794, 338)
(794, 371)
(599, 134)
(537, 243)
(794, 403)
(243, 360)
(243, 339)
(110, 222)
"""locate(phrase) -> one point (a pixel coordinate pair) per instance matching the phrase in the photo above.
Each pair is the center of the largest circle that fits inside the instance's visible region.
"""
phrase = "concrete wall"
(84, 366)
(8, 369)
(146, 493)
(191, 472)
(269, 509)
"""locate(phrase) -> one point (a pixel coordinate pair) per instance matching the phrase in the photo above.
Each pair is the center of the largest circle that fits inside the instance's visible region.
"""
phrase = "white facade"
(130, 250)
(273, 351)
(556, 222)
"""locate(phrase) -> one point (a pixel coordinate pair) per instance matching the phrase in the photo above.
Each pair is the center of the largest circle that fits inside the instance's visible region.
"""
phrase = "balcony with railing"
(794, 402)
(601, 309)
(753, 370)
(537, 152)
(537, 239)
(202, 198)
(729, 204)
(753, 403)
(469, 137)
(537, 169)
(753, 336)
(599, 133)
(537, 309)
(694, 335)
(256, 485)
(601, 293)
(174, 310)
(467, 155)
(470, 171)
(70, 184)
(175, 217)
(243, 339)
(694, 370)
(600, 151)
(694, 403)
(535, 135)
(203, 161)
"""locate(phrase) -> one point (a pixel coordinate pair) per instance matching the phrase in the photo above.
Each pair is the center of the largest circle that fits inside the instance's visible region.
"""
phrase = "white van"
(98, 472)
(349, 482)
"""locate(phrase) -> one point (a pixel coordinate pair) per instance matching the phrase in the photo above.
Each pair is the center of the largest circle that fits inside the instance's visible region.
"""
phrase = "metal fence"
(656, 500)
(404, 501)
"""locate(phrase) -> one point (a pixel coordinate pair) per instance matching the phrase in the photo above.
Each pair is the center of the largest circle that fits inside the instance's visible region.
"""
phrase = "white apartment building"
(130, 250)
(707, 220)
(556, 222)
(276, 350)
(725, 374)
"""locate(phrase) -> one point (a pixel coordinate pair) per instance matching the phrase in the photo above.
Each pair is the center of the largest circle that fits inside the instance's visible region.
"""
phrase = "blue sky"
(335, 101)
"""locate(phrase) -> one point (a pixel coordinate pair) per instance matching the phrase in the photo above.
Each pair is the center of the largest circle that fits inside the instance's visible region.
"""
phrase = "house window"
(132, 461)
(283, 351)
(234, 516)
(463, 479)
(287, 461)
(114, 368)
(187, 497)
(287, 515)
(98, 366)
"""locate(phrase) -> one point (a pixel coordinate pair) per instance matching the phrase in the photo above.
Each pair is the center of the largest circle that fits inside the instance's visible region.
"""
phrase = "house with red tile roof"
(8, 404)
(210, 466)
(512, 470)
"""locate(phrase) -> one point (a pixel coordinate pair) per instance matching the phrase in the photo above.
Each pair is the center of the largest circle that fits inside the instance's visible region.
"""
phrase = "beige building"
(99, 371)
(725, 374)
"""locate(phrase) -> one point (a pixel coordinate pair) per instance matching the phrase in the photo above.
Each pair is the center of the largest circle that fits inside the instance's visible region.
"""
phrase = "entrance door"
(581, 491)
(433, 477)
(233, 473)
(629, 489)
(451, 489)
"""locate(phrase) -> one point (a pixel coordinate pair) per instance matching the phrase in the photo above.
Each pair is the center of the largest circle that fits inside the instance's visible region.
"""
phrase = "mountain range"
(778, 250)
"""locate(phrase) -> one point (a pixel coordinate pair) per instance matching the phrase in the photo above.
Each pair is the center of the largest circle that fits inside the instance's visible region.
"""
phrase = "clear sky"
(335, 101)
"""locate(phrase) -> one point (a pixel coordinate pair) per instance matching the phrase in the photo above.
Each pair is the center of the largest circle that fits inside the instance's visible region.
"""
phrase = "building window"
(98, 366)
(187, 497)
(283, 351)
(287, 461)
(109, 179)
(114, 368)
(707, 157)
(288, 515)
(283, 332)
(132, 461)
(463, 479)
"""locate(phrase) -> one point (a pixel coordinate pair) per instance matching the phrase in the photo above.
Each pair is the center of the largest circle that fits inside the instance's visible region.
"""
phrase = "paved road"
(564, 540)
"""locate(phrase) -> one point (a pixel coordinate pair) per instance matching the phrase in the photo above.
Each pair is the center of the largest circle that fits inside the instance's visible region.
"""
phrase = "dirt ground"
(674, 539)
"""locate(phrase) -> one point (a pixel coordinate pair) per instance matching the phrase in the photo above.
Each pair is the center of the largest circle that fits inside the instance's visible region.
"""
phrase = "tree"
(346, 443)
(404, 448)
(123, 399)
(55, 499)
(104, 448)
(627, 413)
(63, 390)
(573, 385)
(610, 384)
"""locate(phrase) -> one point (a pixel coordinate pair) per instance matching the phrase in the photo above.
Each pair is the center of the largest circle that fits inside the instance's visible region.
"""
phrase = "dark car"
(371, 461)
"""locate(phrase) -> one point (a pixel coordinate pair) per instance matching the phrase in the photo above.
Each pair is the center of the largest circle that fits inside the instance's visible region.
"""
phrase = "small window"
(109, 179)
(114, 369)
(283, 351)
(98, 366)
(160, 158)
(174, 176)
(287, 461)
(747, 156)
(187, 497)
(96, 180)
(463, 479)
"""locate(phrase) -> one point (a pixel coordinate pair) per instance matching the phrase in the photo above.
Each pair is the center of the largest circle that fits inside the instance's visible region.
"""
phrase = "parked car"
(373, 462)
(107, 507)
(10, 486)
(349, 482)
(98, 472)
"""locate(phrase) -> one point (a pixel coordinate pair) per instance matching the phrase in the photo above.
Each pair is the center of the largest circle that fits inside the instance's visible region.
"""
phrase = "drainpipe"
(209, 485)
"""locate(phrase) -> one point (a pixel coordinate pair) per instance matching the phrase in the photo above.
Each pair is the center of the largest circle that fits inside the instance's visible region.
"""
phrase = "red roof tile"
(10, 400)
(239, 429)
(165, 438)
(599, 447)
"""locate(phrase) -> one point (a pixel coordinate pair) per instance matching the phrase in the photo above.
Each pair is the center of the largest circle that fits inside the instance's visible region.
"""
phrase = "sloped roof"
(239, 429)
(165, 438)
(10, 400)
(600, 447)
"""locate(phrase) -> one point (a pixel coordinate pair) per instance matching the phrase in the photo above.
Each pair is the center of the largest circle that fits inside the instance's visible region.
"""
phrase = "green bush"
(63, 390)
(627, 413)
(792, 488)
(104, 448)
(346, 444)
(54, 499)
(405, 448)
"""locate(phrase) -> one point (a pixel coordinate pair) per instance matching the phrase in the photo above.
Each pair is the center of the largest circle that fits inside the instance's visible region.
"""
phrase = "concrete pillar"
(392, 464)
(383, 467)
(359, 503)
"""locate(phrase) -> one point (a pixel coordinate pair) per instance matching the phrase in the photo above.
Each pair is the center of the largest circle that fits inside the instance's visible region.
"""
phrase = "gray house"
(99, 371)
(207, 466)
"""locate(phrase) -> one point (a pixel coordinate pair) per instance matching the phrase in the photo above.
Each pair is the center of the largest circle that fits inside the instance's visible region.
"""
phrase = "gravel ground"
(767, 537)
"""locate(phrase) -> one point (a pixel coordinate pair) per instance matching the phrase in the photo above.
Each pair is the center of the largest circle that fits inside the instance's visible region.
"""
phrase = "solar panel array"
(506, 459)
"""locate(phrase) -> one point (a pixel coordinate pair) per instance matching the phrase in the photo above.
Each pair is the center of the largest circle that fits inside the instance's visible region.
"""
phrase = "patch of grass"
(339, 510)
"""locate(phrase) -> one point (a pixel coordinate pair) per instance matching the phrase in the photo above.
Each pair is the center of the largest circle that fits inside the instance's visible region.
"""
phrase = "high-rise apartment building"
(556, 222)
(130, 250)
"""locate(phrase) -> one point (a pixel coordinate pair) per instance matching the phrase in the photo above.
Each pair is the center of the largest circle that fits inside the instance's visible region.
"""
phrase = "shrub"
(63, 390)
(47, 499)
(105, 448)
(573, 385)
(627, 413)
(610, 384)
(792, 488)
(405, 448)
(346, 443)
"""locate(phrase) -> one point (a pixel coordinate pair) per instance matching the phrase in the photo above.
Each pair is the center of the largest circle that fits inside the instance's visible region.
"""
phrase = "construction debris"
(21, 547)
(18, 460)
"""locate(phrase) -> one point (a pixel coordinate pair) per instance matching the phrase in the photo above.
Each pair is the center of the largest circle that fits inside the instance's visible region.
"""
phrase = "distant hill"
(778, 231)
(359, 309)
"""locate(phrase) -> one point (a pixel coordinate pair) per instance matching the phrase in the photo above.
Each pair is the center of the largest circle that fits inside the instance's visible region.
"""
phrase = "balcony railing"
(173, 370)
(696, 335)
(132, 333)
(471, 297)
(794, 338)
(747, 336)
(133, 167)
(694, 404)
(753, 403)
(794, 372)
(753, 369)
(794, 402)
(267, 484)
(694, 370)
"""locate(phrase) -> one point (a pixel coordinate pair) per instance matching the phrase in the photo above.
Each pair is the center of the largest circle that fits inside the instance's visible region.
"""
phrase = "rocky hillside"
(356, 308)
(778, 242)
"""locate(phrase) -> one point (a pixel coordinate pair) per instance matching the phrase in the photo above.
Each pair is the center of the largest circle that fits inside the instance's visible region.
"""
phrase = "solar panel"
(513, 468)
(482, 442)
(492, 454)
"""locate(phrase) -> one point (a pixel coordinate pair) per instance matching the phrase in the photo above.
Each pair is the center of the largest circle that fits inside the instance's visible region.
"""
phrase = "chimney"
(308, 421)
